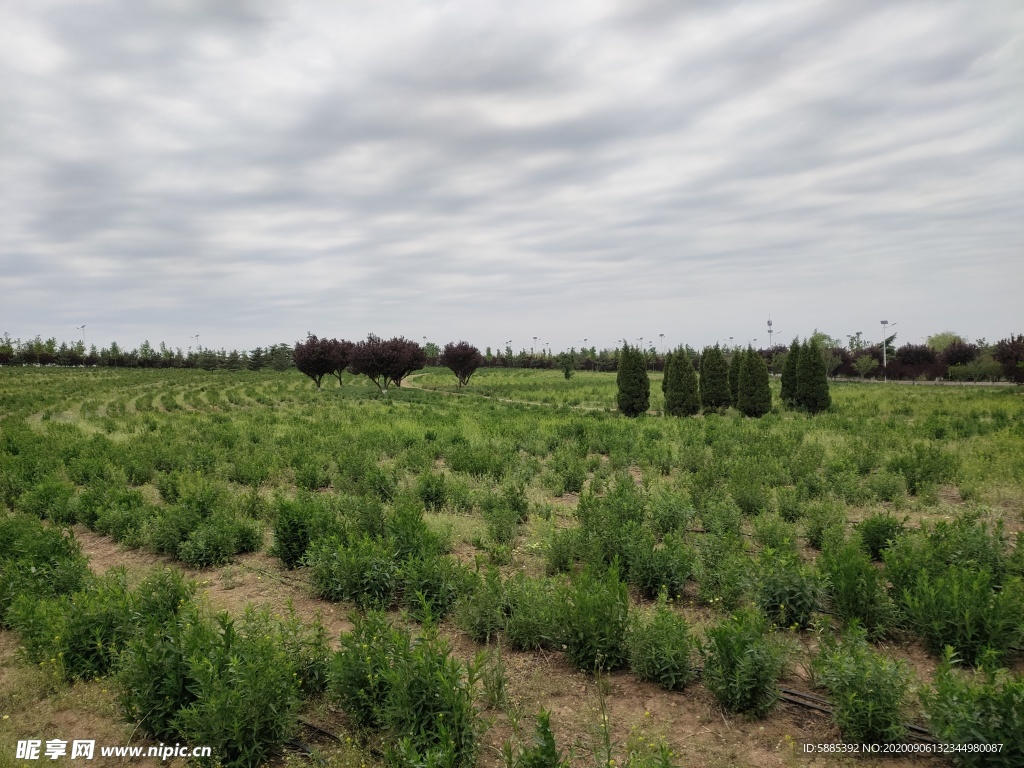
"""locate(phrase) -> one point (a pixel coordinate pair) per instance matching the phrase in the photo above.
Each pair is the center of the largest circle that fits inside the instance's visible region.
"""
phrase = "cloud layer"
(251, 171)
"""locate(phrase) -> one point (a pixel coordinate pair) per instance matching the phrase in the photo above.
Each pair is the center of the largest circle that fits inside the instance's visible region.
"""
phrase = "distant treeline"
(47, 352)
(944, 356)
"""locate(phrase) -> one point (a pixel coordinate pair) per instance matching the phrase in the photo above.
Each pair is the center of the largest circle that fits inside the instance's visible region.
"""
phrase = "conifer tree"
(664, 372)
(812, 379)
(789, 374)
(634, 395)
(735, 367)
(681, 396)
(755, 394)
(714, 378)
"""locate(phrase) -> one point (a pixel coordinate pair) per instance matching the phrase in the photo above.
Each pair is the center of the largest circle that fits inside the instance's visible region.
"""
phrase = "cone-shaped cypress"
(634, 385)
(714, 379)
(681, 397)
(789, 374)
(812, 379)
(664, 372)
(755, 395)
(735, 366)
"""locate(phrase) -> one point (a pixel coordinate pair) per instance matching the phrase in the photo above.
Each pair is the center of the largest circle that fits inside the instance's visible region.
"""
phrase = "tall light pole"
(885, 340)
(81, 328)
(770, 332)
(662, 337)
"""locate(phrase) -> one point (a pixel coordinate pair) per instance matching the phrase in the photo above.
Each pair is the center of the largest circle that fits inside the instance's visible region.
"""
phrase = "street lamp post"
(885, 343)
(82, 329)
(770, 332)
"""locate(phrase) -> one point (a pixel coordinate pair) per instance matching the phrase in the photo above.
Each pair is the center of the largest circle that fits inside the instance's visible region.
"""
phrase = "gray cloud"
(251, 171)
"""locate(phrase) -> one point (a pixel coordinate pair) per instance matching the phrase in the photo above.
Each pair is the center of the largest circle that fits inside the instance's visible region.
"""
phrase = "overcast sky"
(251, 171)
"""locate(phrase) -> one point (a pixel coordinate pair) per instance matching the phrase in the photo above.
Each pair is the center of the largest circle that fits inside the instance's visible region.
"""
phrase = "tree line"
(714, 382)
(47, 352)
(945, 355)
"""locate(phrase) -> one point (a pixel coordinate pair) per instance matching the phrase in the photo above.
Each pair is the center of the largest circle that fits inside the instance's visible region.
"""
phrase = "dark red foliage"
(960, 353)
(915, 361)
(912, 355)
(384, 362)
(1010, 354)
(462, 359)
(321, 357)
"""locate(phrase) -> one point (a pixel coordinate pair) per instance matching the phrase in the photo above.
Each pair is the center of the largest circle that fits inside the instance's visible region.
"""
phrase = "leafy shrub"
(502, 523)
(823, 519)
(543, 753)
(660, 646)
(561, 551)
(431, 489)
(596, 614)
(49, 498)
(569, 472)
(923, 465)
(123, 523)
(653, 567)
(431, 585)
(365, 571)
(213, 542)
(749, 491)
(481, 612)
(163, 593)
(959, 608)
(722, 516)
(723, 571)
(984, 707)
(741, 665)
(247, 692)
(868, 690)
(788, 591)
(358, 677)
(671, 512)
(788, 504)
(293, 530)
(965, 541)
(429, 709)
(153, 673)
(887, 486)
(772, 532)
(168, 528)
(305, 643)
(857, 588)
(878, 530)
(37, 562)
(409, 532)
(533, 619)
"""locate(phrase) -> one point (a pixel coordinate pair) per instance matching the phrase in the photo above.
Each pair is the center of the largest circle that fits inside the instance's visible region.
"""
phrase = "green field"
(653, 583)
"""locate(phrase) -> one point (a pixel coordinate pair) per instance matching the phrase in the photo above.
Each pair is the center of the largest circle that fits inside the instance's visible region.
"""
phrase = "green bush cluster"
(232, 685)
(856, 587)
(37, 563)
(411, 689)
(985, 707)
(868, 690)
(595, 616)
(742, 664)
(661, 647)
(788, 590)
